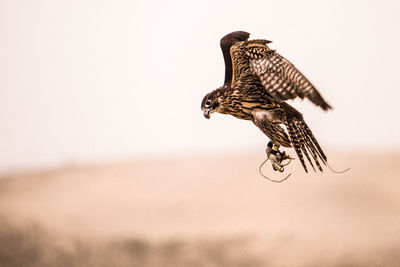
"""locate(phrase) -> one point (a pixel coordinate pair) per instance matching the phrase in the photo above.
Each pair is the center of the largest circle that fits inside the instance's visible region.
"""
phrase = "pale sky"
(102, 80)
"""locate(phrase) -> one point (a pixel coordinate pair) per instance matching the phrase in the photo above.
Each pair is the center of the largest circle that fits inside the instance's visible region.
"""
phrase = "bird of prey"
(257, 83)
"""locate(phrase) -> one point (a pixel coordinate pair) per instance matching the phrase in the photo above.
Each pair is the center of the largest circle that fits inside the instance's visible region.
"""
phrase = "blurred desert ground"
(209, 210)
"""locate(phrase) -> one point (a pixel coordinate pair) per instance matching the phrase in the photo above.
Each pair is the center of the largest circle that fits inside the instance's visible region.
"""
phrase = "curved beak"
(206, 113)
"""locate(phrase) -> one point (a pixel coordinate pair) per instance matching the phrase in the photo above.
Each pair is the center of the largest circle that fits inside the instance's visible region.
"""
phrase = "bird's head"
(210, 103)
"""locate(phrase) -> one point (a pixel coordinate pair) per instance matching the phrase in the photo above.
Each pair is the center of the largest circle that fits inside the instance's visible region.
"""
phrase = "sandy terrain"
(203, 211)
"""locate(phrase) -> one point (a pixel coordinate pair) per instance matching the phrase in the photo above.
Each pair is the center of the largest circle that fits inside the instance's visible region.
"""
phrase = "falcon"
(257, 83)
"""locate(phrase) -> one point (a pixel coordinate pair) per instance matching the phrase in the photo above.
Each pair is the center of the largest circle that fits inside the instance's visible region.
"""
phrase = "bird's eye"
(208, 103)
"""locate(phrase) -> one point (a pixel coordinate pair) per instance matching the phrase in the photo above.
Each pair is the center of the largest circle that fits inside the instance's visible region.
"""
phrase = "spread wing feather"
(282, 79)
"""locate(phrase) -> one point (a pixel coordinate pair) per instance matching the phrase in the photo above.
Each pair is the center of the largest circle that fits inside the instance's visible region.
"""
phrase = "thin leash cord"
(337, 171)
(272, 180)
(290, 160)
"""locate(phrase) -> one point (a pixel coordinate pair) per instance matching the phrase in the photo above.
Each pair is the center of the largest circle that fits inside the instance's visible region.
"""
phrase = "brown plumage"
(257, 82)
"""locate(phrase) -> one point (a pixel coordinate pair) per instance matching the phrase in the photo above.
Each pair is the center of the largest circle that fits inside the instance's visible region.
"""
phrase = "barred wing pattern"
(240, 58)
(281, 78)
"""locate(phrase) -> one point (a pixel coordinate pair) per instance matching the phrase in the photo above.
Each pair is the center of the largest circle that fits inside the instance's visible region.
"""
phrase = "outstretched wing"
(279, 77)
(226, 43)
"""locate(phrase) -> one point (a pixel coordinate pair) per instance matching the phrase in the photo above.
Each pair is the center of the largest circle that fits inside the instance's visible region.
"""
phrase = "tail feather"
(295, 142)
(315, 142)
(305, 143)
(310, 147)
